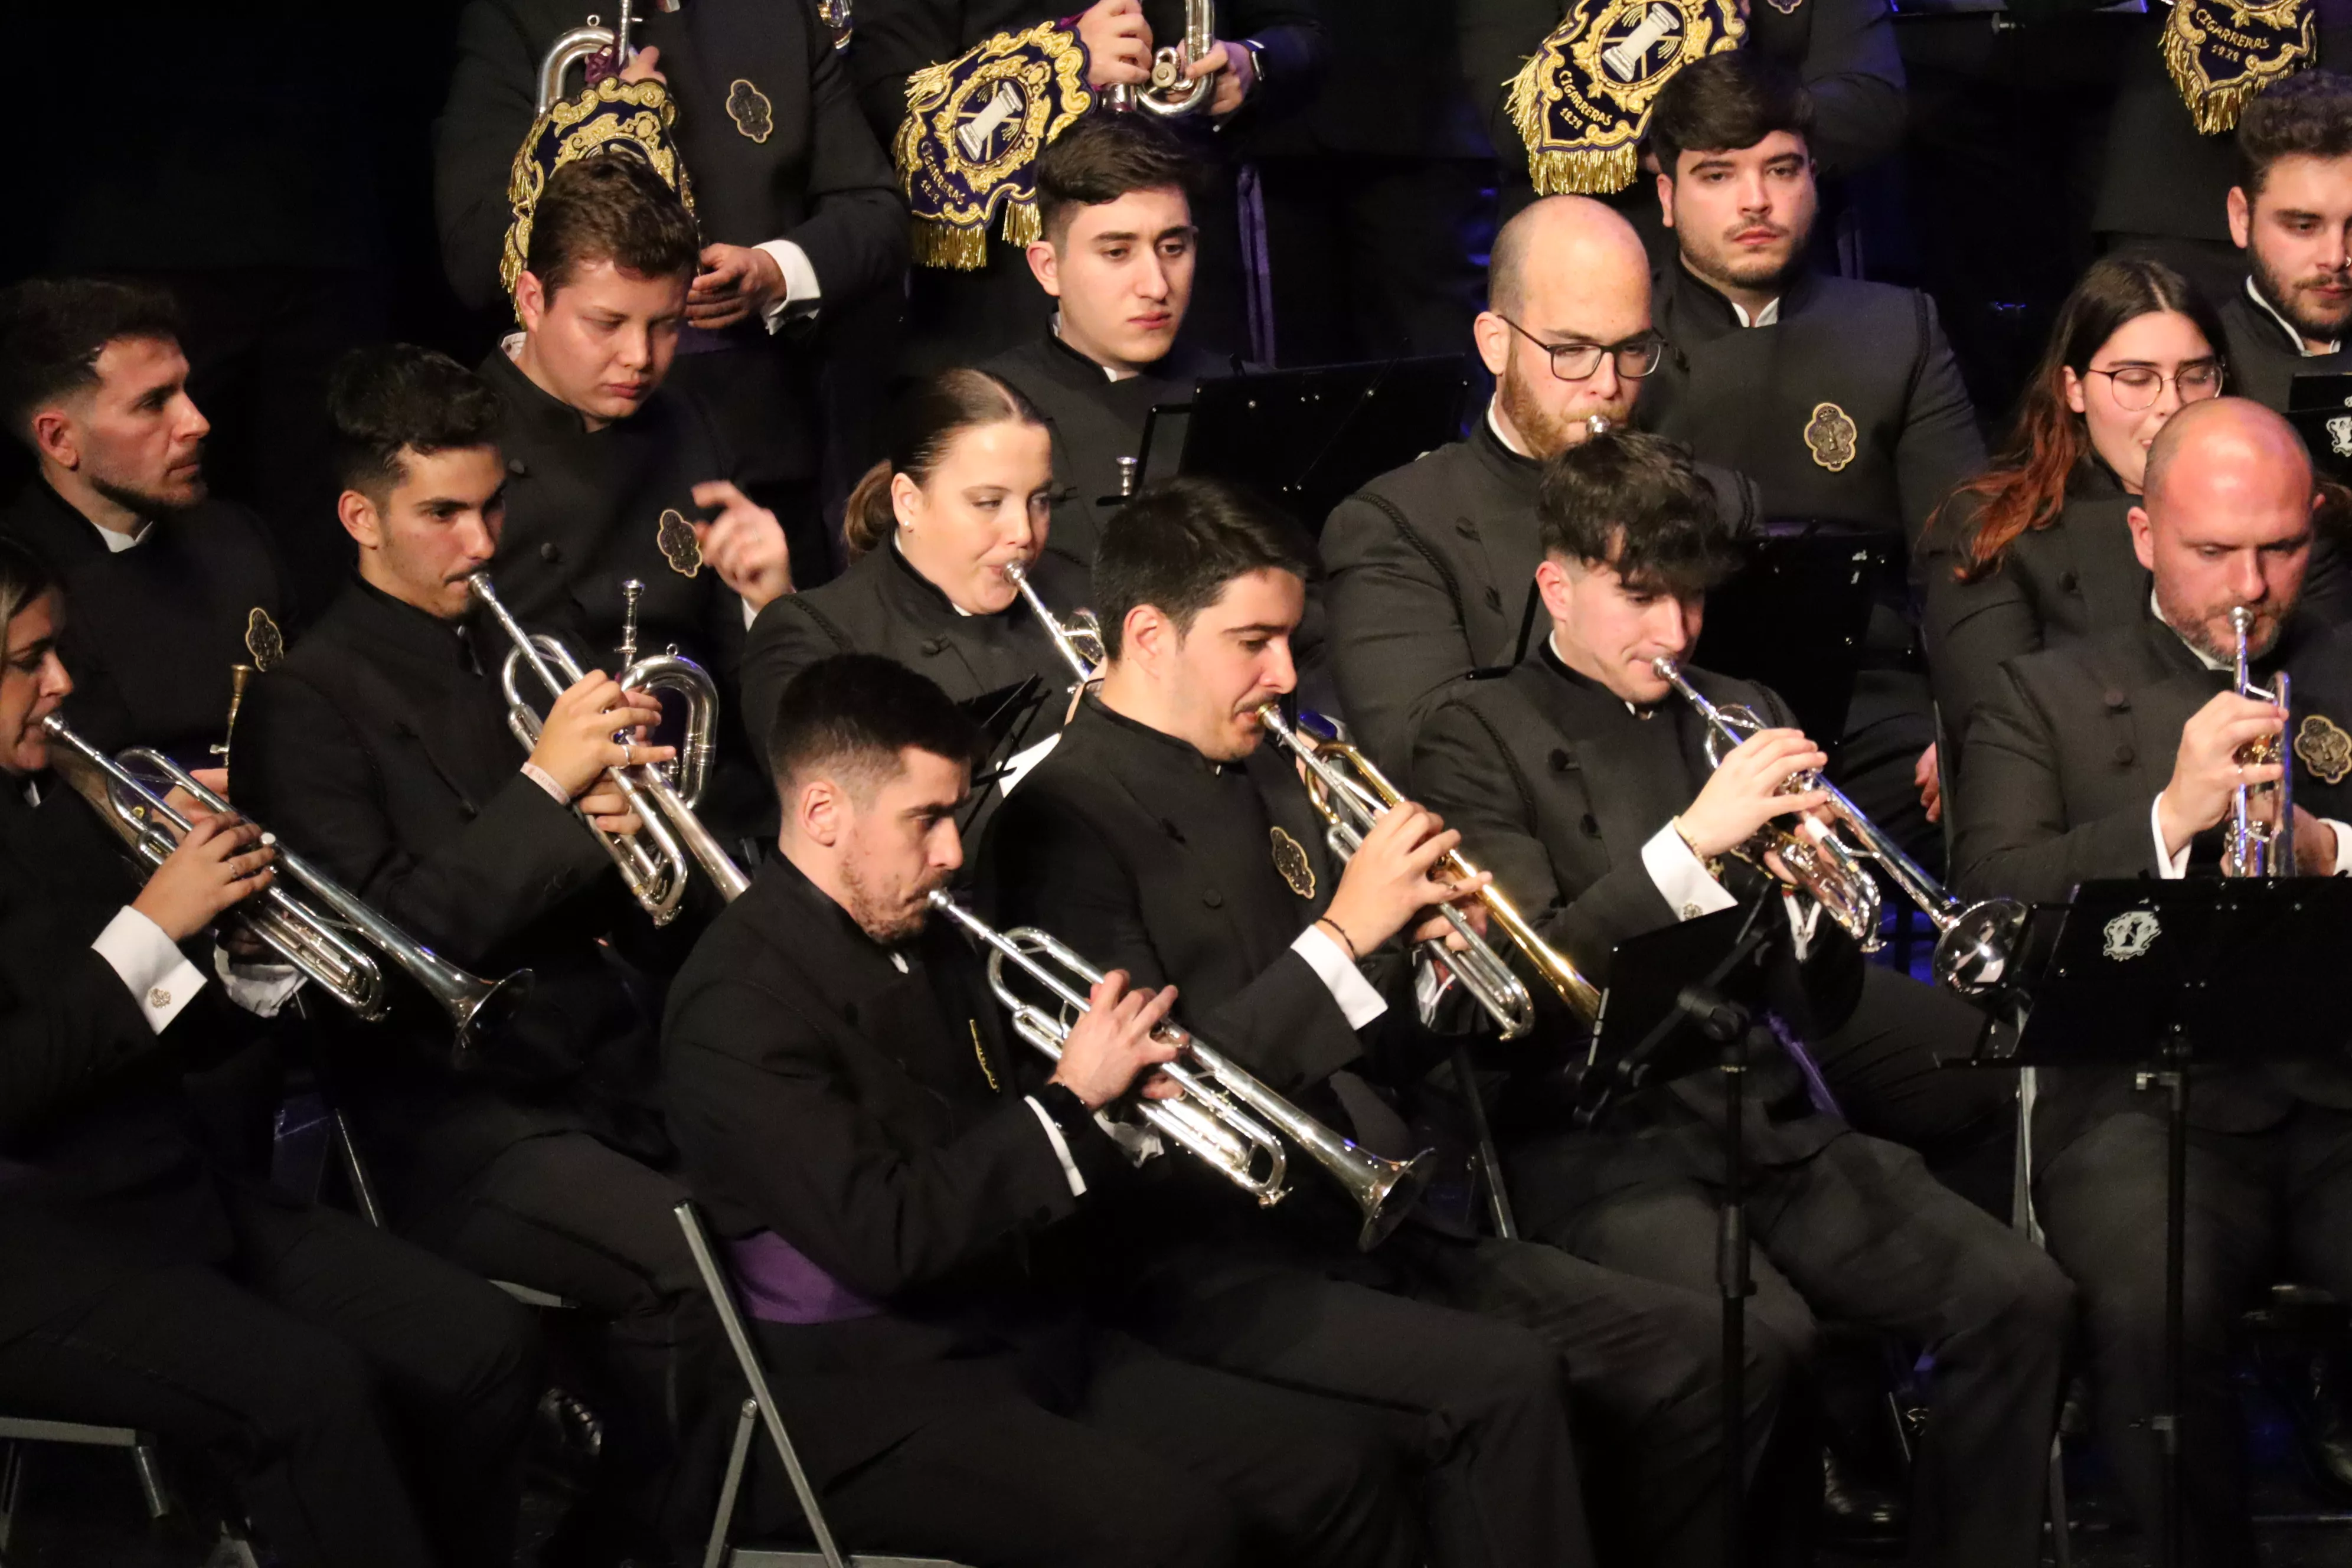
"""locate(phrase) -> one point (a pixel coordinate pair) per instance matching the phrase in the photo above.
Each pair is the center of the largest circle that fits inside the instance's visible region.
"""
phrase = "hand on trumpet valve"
(643, 65)
(1394, 876)
(223, 861)
(2215, 762)
(1118, 1040)
(594, 728)
(1233, 85)
(1749, 791)
(1118, 44)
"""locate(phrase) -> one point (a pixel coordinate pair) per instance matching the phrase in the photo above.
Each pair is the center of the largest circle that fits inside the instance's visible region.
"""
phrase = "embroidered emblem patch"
(2324, 747)
(1582, 101)
(749, 108)
(2339, 435)
(1829, 436)
(680, 547)
(2129, 934)
(1291, 860)
(263, 640)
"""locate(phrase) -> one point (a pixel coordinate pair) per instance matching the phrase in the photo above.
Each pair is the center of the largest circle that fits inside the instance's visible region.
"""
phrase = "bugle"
(1170, 93)
(657, 877)
(1222, 1117)
(313, 940)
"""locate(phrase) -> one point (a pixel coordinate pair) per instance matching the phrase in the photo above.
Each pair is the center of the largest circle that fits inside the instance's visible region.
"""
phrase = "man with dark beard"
(170, 589)
(2291, 213)
(1840, 398)
(1433, 565)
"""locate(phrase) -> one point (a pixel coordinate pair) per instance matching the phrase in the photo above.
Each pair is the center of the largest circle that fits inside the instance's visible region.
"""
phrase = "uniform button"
(159, 998)
(1591, 828)
(2067, 581)
(1214, 899)
(2124, 755)
(517, 466)
(935, 645)
(551, 552)
(2115, 698)
(1494, 599)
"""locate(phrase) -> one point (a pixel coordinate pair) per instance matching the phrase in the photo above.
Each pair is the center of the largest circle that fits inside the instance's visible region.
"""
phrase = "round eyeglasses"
(1636, 357)
(2137, 386)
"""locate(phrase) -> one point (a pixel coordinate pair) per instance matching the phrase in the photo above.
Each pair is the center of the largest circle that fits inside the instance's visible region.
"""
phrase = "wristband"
(1345, 940)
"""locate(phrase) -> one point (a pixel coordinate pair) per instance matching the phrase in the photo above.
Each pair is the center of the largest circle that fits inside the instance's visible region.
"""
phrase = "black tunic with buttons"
(151, 632)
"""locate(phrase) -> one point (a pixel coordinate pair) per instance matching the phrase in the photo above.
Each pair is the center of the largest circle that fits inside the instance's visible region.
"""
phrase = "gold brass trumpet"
(656, 877)
(2258, 840)
(1169, 94)
(1973, 941)
(1351, 793)
(1222, 1116)
(336, 948)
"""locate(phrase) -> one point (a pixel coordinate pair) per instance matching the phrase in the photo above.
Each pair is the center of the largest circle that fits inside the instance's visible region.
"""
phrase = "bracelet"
(1353, 956)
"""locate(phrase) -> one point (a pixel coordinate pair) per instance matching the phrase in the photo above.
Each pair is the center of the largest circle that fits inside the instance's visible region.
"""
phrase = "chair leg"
(746, 1422)
(12, 1482)
(355, 1172)
(150, 1478)
(2062, 1544)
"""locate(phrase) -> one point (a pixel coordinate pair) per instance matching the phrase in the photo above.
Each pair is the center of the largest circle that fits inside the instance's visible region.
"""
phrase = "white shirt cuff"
(546, 781)
(750, 615)
(801, 293)
(2170, 867)
(1061, 1148)
(1681, 876)
(1358, 1001)
(152, 967)
(2343, 847)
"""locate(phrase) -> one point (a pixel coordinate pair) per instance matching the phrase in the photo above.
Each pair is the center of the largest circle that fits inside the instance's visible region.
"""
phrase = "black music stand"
(1004, 716)
(2153, 977)
(1658, 1024)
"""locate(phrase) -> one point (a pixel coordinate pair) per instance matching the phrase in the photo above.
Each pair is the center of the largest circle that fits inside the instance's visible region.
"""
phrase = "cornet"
(1079, 640)
(1973, 941)
(656, 877)
(1218, 1116)
(314, 942)
(2259, 840)
(1169, 94)
(1351, 794)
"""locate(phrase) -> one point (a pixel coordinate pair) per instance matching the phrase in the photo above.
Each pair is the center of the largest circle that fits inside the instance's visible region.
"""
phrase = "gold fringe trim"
(1525, 103)
(953, 249)
(2215, 109)
(1022, 225)
(1584, 173)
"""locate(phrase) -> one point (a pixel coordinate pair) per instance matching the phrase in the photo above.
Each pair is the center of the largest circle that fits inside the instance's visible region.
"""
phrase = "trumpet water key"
(1169, 93)
(1225, 1116)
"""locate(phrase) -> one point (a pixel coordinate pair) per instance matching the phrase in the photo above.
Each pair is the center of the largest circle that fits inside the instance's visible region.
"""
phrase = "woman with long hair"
(966, 491)
(2037, 551)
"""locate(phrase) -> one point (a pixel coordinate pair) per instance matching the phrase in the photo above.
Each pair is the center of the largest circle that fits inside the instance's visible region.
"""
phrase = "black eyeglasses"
(2137, 386)
(1636, 357)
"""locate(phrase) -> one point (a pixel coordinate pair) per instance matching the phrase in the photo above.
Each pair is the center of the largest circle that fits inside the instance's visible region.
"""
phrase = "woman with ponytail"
(2038, 551)
(966, 490)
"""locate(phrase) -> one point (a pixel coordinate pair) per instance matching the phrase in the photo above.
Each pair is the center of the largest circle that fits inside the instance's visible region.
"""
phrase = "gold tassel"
(1023, 227)
(1584, 173)
(955, 249)
(2212, 111)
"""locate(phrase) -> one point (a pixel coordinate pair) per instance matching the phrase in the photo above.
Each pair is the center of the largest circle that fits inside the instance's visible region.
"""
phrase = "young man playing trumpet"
(2121, 757)
(913, 1202)
(381, 751)
(1164, 838)
(1581, 782)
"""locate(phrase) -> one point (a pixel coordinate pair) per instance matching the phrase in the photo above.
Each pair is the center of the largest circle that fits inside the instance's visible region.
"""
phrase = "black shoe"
(1856, 1515)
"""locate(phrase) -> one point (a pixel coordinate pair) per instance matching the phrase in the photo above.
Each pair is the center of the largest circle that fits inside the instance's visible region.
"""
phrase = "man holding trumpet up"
(2124, 757)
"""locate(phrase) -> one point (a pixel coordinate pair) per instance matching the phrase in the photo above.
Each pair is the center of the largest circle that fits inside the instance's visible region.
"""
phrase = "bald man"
(1432, 566)
(2116, 757)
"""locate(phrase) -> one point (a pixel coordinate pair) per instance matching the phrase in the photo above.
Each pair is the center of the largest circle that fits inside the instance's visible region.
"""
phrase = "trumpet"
(1351, 794)
(1169, 94)
(325, 945)
(578, 45)
(656, 877)
(1222, 1115)
(2258, 842)
(1079, 640)
(1973, 941)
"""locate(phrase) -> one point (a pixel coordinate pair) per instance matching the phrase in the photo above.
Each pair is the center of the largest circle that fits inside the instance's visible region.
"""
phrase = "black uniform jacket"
(380, 752)
(151, 632)
(1555, 786)
(1850, 407)
(1844, 51)
(873, 1118)
(2265, 358)
(1096, 422)
(882, 604)
(1433, 569)
(2065, 765)
(99, 1175)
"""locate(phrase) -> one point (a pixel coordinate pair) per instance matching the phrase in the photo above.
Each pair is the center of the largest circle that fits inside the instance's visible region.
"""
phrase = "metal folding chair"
(17, 1431)
(760, 1409)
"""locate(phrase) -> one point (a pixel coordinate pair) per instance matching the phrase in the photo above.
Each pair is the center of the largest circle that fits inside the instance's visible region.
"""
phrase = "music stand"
(1657, 1024)
(1794, 616)
(1004, 716)
(2152, 977)
(1305, 440)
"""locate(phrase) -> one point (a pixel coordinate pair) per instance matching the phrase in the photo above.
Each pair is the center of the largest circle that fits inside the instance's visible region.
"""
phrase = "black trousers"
(1160, 1464)
(1490, 1396)
(1862, 1234)
(2260, 1204)
(571, 1216)
(318, 1365)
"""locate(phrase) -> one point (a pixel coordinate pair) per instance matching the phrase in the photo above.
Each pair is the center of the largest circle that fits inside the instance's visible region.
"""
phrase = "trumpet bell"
(1387, 1197)
(1974, 951)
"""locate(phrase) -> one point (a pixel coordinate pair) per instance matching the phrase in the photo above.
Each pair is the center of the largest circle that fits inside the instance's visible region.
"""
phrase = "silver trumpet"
(578, 45)
(1973, 941)
(2258, 840)
(1222, 1115)
(657, 877)
(336, 947)
(1079, 640)
(1350, 795)
(1167, 93)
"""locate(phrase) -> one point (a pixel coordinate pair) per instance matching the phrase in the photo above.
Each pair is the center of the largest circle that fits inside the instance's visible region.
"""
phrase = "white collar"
(1770, 316)
(1497, 426)
(1110, 372)
(2206, 660)
(2286, 326)
(116, 544)
(33, 792)
(1552, 642)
